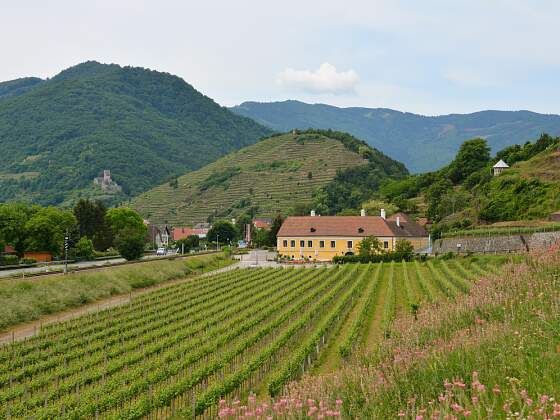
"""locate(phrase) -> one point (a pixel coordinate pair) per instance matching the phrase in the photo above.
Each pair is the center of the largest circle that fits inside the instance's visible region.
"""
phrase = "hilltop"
(263, 179)
(145, 126)
(421, 142)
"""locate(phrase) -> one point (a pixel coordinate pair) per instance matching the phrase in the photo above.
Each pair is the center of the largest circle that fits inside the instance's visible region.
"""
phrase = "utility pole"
(217, 242)
(66, 239)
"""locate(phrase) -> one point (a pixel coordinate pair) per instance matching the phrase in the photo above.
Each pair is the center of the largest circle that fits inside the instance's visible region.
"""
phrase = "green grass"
(270, 176)
(27, 300)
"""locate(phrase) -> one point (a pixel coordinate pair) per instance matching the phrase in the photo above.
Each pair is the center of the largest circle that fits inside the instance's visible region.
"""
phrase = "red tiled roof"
(184, 232)
(261, 224)
(335, 226)
(350, 226)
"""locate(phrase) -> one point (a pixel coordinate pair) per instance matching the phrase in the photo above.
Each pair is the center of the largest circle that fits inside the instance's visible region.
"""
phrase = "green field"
(270, 177)
(179, 349)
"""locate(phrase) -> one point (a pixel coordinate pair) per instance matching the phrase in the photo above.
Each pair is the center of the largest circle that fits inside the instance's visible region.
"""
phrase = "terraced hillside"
(178, 350)
(266, 178)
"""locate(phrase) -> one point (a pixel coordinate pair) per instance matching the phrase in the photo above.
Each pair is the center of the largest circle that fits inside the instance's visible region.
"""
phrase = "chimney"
(383, 214)
(312, 213)
(362, 212)
(398, 221)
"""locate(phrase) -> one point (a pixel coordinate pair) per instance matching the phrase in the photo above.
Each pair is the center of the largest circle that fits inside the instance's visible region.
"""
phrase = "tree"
(13, 218)
(123, 217)
(433, 196)
(301, 209)
(130, 243)
(373, 207)
(188, 243)
(84, 249)
(274, 228)
(243, 220)
(404, 248)
(473, 155)
(222, 231)
(261, 237)
(46, 229)
(92, 223)
(369, 246)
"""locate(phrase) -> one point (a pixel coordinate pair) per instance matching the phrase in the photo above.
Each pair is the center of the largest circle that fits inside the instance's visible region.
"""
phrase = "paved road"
(257, 258)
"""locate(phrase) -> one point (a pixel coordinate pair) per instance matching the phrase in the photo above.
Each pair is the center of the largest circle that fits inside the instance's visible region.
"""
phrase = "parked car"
(161, 251)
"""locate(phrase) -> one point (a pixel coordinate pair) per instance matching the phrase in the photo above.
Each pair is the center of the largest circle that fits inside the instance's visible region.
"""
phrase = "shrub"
(130, 243)
(9, 260)
(84, 249)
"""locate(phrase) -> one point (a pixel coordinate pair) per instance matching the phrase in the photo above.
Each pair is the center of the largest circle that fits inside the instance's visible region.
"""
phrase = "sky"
(431, 57)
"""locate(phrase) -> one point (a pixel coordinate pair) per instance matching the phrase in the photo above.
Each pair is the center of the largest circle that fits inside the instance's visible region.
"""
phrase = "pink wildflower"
(467, 413)
(456, 407)
(339, 402)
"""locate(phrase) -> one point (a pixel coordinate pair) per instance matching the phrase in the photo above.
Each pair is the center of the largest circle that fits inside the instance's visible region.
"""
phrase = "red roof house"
(185, 232)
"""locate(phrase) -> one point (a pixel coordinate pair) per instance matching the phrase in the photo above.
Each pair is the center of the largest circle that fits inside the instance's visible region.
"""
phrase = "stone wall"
(497, 244)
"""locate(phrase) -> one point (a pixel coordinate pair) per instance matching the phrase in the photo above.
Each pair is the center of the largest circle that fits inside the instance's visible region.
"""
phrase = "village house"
(262, 222)
(158, 237)
(185, 232)
(321, 238)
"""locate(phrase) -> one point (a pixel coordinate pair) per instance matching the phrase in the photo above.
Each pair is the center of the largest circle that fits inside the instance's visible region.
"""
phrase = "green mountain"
(18, 87)
(144, 126)
(271, 176)
(422, 143)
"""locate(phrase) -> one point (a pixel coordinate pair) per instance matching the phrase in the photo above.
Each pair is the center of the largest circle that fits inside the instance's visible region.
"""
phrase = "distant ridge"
(422, 143)
(144, 126)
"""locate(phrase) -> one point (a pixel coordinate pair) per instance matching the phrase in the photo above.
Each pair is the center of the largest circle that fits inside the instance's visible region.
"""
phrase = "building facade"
(321, 238)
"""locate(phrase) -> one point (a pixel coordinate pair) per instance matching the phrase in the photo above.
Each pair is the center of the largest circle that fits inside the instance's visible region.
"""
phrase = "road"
(257, 258)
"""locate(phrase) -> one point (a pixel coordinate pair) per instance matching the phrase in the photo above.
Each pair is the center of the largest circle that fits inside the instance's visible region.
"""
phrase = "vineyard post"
(193, 405)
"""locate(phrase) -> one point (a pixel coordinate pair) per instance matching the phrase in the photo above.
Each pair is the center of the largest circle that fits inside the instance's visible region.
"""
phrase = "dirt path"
(29, 329)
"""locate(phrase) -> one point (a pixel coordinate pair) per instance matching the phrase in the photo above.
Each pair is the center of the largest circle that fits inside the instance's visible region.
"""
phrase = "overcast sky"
(430, 57)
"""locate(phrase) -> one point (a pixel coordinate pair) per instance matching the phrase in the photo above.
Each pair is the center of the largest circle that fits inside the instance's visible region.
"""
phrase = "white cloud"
(326, 79)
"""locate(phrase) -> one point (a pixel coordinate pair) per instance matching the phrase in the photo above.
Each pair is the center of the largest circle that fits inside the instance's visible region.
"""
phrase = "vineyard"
(180, 349)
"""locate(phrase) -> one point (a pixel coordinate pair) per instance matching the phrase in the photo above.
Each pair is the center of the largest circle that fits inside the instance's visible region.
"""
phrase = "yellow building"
(321, 238)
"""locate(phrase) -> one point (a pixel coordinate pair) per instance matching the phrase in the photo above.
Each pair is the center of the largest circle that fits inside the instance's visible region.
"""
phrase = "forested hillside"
(421, 142)
(275, 175)
(144, 126)
(465, 193)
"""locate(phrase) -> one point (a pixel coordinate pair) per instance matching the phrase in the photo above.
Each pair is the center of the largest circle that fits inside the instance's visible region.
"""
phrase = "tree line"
(91, 228)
